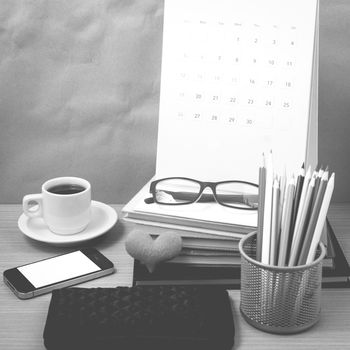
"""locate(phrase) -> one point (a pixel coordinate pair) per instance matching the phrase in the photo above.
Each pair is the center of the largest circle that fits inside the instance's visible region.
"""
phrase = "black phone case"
(140, 317)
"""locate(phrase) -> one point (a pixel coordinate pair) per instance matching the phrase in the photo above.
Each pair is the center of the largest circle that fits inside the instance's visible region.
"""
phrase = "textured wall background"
(79, 90)
(334, 93)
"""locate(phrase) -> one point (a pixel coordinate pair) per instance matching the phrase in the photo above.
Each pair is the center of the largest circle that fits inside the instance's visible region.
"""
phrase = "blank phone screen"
(60, 268)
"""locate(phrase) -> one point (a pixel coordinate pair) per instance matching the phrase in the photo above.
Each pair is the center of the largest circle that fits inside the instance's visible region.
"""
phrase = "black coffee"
(66, 189)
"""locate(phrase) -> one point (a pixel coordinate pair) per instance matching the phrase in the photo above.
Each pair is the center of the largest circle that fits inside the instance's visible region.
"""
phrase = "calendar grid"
(220, 57)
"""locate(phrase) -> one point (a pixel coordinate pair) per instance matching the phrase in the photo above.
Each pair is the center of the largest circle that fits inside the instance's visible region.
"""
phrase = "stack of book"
(185, 271)
(210, 234)
(204, 250)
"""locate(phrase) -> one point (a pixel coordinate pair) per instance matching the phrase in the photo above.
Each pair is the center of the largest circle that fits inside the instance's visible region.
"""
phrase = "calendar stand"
(239, 78)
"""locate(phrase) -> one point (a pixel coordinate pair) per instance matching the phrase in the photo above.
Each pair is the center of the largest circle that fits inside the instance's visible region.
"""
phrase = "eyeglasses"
(182, 190)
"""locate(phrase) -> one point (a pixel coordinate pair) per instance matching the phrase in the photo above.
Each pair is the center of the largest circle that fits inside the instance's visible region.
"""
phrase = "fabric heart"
(150, 251)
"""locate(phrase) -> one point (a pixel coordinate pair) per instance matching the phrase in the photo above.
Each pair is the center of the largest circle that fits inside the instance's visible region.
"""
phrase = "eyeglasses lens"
(176, 191)
(237, 195)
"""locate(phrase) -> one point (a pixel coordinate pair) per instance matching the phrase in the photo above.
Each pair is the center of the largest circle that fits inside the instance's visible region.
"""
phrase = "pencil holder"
(275, 299)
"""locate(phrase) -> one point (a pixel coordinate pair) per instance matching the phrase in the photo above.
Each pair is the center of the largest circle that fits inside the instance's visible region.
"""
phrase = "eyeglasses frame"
(203, 186)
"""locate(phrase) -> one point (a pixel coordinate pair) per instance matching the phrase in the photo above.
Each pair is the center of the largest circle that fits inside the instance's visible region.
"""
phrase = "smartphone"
(40, 277)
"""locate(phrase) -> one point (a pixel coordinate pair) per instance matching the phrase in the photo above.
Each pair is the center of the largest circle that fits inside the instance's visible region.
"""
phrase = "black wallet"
(140, 317)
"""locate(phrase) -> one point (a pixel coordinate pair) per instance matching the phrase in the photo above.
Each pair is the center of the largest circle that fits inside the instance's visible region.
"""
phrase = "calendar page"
(237, 81)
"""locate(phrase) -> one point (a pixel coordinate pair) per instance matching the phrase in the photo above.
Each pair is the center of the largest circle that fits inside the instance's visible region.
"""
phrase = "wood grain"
(22, 321)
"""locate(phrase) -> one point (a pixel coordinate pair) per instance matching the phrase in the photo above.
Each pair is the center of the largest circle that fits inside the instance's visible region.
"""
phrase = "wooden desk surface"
(22, 321)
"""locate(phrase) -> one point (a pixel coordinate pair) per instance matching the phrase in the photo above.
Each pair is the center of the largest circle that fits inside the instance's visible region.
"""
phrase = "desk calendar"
(239, 77)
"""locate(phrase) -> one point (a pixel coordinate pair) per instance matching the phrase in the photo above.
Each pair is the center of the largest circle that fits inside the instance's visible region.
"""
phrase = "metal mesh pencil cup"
(277, 299)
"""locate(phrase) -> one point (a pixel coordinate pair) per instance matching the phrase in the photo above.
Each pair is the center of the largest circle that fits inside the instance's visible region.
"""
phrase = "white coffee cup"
(64, 204)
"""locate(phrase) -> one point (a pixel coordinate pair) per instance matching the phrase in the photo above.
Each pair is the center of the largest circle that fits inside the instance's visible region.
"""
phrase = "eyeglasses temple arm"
(208, 197)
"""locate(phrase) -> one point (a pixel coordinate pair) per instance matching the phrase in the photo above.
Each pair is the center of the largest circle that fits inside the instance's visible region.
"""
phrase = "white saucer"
(103, 218)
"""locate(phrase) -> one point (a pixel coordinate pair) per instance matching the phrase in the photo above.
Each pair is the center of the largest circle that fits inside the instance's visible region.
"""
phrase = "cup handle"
(30, 212)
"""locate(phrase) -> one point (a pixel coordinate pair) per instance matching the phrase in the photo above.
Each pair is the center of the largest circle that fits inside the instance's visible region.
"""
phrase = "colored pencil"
(274, 222)
(299, 234)
(313, 218)
(287, 209)
(261, 203)
(265, 251)
(321, 220)
(306, 182)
